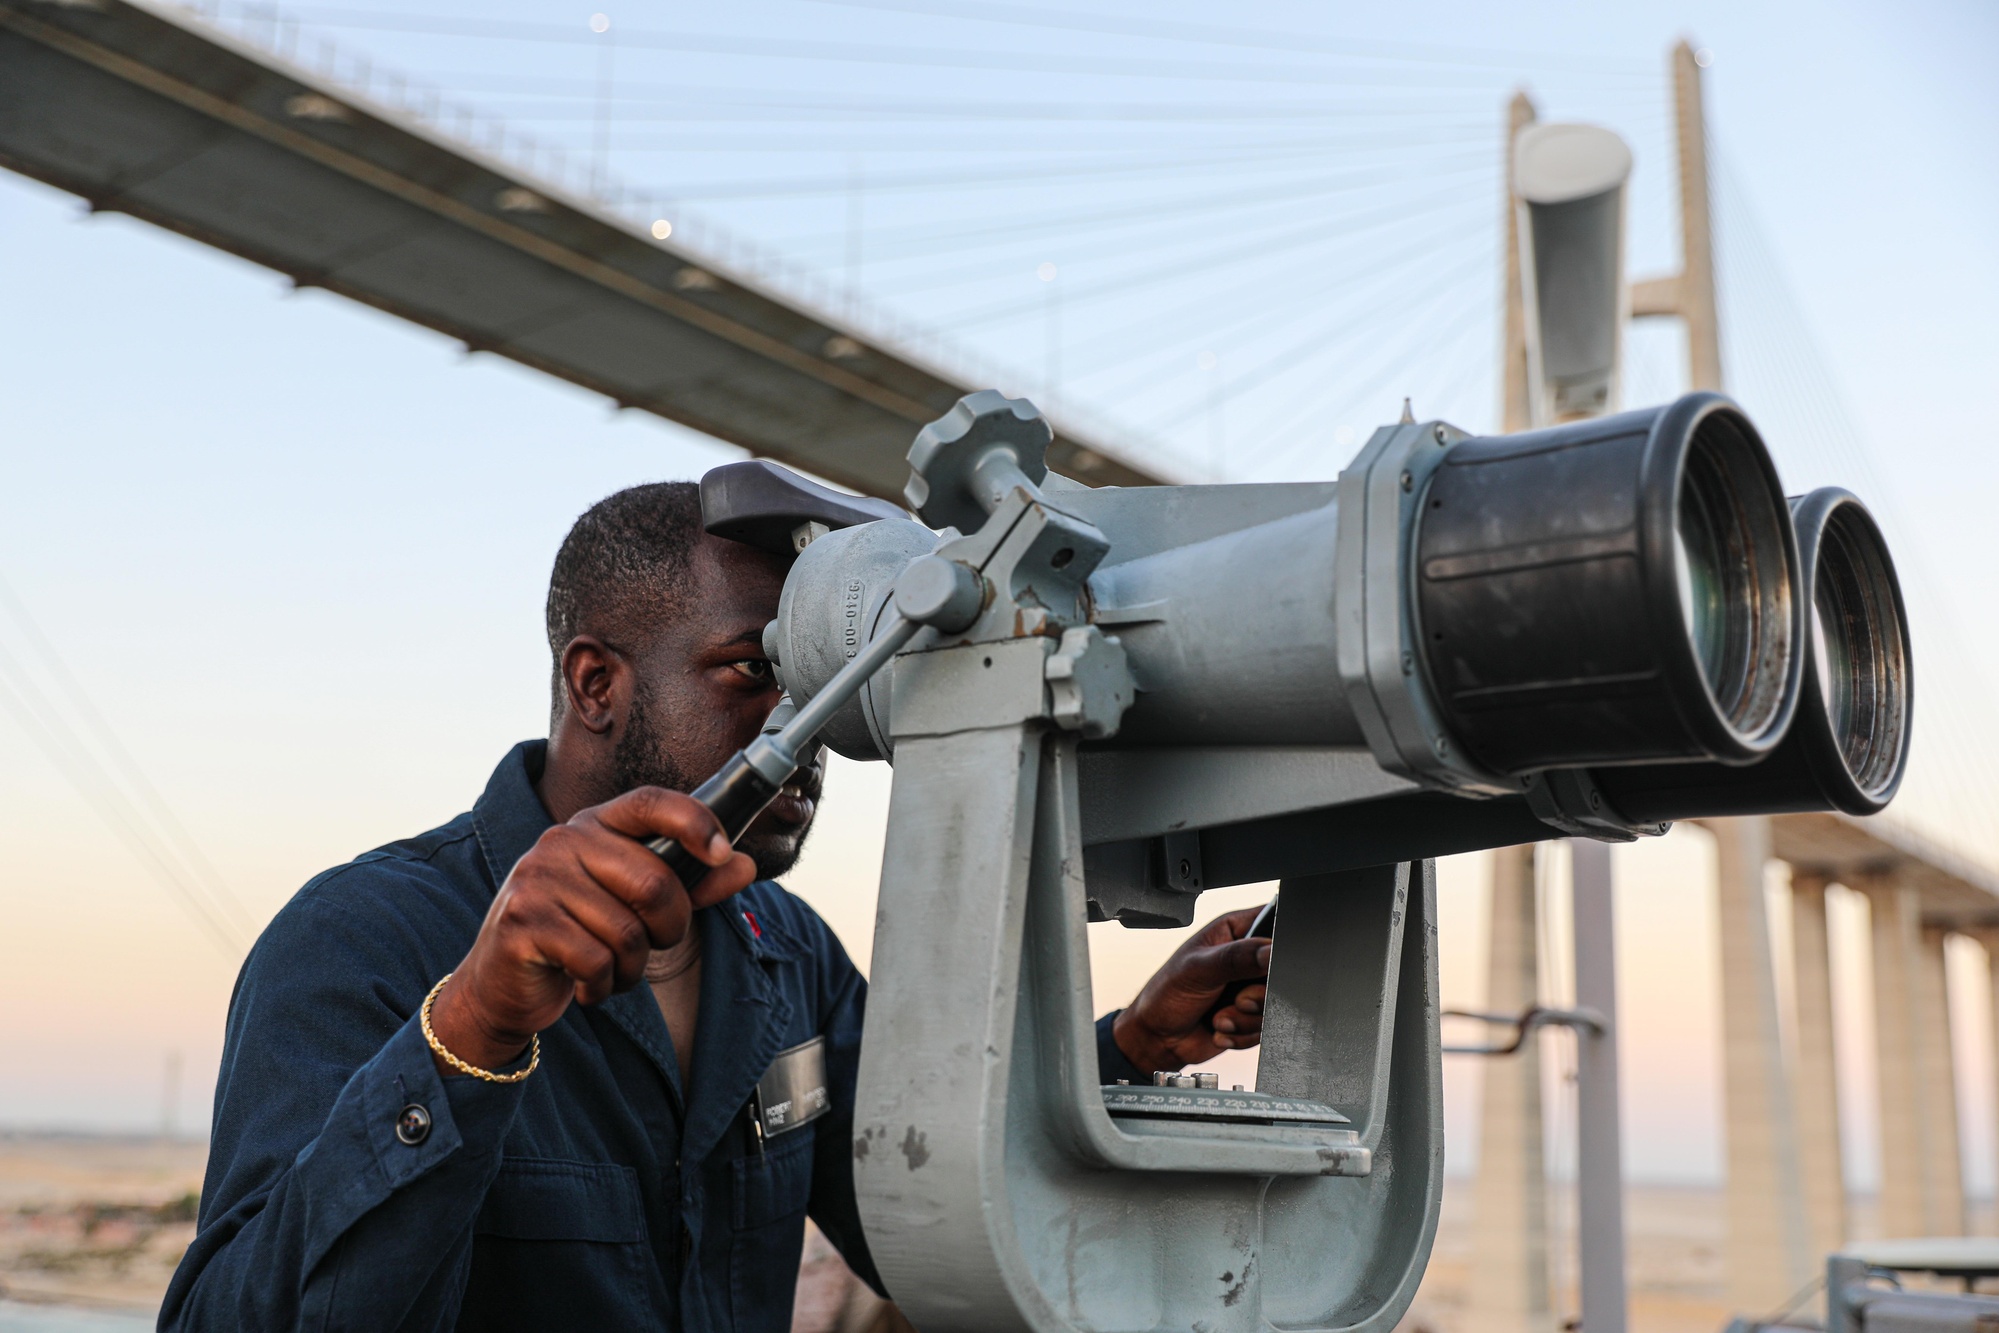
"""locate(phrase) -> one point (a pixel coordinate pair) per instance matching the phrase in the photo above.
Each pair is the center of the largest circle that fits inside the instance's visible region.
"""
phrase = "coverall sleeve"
(316, 1213)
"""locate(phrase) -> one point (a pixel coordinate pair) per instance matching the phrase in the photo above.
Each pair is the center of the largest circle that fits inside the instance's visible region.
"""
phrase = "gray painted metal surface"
(1599, 1133)
(1381, 496)
(145, 110)
(1863, 1292)
(1569, 188)
(1139, 669)
(1000, 1188)
(1253, 654)
(999, 1192)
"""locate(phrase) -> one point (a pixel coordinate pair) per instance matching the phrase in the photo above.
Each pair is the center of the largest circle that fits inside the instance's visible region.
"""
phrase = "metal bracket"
(1089, 682)
(1567, 799)
(1139, 883)
(1183, 861)
(1381, 669)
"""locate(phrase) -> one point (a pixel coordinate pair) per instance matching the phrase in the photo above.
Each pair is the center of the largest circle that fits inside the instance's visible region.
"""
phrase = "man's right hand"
(577, 918)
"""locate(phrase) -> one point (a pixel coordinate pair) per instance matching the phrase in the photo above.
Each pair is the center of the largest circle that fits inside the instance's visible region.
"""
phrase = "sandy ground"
(94, 1221)
(101, 1222)
(1674, 1239)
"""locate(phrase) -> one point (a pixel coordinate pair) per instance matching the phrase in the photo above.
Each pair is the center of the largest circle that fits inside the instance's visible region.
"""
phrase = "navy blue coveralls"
(599, 1194)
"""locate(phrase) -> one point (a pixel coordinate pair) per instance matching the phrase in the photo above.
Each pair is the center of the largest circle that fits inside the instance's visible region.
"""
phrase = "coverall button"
(413, 1125)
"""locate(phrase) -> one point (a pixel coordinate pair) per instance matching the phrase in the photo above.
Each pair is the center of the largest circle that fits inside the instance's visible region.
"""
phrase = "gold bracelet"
(534, 1045)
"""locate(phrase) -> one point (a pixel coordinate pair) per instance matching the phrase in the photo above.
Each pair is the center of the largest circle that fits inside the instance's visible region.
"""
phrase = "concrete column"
(1943, 1174)
(1911, 1041)
(1696, 288)
(1988, 939)
(1770, 1251)
(1815, 1080)
(1513, 410)
(1892, 911)
(1510, 1241)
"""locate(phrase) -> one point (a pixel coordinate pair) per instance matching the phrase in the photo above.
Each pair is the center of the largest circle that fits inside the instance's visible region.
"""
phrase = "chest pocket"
(562, 1245)
(546, 1199)
(773, 1185)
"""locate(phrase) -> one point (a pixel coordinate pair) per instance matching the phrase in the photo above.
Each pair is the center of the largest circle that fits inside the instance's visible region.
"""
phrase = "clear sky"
(295, 552)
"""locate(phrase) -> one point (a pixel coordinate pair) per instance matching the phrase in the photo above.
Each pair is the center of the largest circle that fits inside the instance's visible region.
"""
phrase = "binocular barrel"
(1626, 590)
(1612, 591)
(1629, 596)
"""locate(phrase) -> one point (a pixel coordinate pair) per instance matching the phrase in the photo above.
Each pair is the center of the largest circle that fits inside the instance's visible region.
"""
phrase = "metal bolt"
(1443, 747)
(1408, 664)
(940, 592)
(1438, 431)
(1408, 482)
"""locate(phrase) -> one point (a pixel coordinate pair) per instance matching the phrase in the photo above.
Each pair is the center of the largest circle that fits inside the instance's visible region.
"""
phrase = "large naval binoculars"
(1108, 701)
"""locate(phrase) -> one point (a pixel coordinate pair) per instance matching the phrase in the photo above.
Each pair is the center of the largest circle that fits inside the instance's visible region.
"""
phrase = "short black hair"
(622, 570)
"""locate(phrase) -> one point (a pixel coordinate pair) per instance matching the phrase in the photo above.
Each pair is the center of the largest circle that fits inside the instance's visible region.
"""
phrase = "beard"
(641, 759)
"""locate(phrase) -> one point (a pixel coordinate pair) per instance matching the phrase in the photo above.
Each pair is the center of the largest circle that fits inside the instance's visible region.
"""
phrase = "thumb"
(1215, 967)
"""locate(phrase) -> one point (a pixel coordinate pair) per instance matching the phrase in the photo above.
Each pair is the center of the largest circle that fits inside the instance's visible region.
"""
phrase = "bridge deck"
(1956, 894)
(145, 111)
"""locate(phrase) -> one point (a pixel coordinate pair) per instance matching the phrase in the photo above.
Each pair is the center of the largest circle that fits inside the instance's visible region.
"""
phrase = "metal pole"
(600, 163)
(1600, 1148)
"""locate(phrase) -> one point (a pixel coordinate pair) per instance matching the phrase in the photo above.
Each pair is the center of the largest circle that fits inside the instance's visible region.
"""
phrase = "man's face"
(703, 690)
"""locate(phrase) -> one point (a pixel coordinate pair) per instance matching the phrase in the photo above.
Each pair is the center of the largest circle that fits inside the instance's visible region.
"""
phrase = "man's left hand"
(1175, 1020)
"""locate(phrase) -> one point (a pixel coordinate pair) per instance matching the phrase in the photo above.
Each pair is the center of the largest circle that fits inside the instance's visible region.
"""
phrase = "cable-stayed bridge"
(1239, 285)
(1206, 251)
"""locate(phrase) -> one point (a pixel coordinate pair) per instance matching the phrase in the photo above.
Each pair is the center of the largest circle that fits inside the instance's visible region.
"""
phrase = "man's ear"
(597, 682)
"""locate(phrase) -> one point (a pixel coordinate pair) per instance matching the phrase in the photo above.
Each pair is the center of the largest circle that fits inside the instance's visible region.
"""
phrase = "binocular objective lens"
(1698, 565)
(1858, 649)
(1832, 655)
(1731, 568)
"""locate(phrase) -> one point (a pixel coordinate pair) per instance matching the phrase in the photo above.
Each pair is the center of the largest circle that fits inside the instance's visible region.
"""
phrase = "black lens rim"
(1661, 472)
(1832, 510)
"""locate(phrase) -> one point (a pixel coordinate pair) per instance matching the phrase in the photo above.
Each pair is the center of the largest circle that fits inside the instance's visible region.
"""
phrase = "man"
(446, 1099)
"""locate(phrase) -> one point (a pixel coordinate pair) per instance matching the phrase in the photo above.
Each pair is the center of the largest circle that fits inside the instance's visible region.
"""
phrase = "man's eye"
(753, 668)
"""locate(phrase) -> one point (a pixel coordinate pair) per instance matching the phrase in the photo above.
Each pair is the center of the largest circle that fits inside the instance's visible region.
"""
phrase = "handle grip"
(737, 794)
(1265, 927)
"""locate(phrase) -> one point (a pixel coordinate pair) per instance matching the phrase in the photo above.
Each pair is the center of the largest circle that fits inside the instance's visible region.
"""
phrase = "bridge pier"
(1988, 939)
(1815, 1080)
(1510, 1244)
(1943, 1173)
(1921, 1190)
(1770, 1252)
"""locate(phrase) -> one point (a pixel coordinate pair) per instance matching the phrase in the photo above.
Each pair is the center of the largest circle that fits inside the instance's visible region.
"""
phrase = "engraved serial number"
(851, 634)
